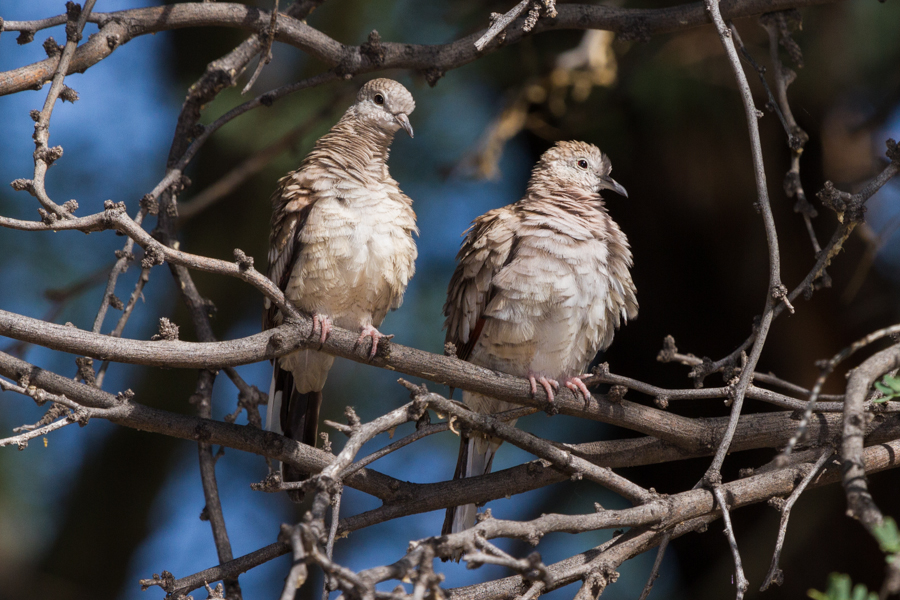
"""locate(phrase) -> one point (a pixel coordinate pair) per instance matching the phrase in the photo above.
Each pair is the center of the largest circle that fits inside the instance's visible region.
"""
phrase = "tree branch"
(120, 27)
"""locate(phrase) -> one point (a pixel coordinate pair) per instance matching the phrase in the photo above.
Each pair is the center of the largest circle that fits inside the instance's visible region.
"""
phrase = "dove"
(341, 249)
(539, 288)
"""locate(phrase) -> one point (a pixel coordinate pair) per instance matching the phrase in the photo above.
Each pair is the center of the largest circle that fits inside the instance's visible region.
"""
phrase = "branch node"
(124, 254)
(777, 503)
(47, 218)
(116, 302)
(153, 255)
(166, 581)
(80, 416)
(616, 394)
(86, 369)
(601, 370)
(433, 75)
(73, 13)
(51, 47)
(669, 350)
(271, 484)
(352, 418)
(149, 204)
(68, 95)
(48, 155)
(780, 293)
(843, 204)
(114, 207)
(373, 49)
(23, 185)
(893, 150)
(168, 331)
(26, 36)
(244, 262)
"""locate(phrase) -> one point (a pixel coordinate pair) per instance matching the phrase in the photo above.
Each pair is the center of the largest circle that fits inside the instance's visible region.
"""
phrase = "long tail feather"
(475, 458)
(298, 419)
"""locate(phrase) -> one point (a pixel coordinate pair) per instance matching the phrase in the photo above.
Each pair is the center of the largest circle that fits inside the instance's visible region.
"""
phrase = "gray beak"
(609, 183)
(403, 120)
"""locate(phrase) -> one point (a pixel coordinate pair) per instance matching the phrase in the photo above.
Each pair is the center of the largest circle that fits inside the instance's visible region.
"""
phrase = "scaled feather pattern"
(341, 247)
(540, 287)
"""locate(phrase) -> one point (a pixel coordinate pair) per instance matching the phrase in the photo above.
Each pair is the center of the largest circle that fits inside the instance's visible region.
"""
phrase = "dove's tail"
(476, 454)
(296, 418)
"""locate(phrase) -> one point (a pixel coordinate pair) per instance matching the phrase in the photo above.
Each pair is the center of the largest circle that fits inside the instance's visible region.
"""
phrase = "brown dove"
(540, 287)
(341, 249)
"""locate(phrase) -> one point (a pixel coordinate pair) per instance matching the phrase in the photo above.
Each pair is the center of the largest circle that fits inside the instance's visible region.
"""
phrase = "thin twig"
(797, 138)
(740, 579)
(501, 23)
(425, 431)
(775, 575)
(564, 460)
(827, 368)
(265, 56)
(332, 534)
(43, 155)
(777, 292)
(123, 320)
(657, 564)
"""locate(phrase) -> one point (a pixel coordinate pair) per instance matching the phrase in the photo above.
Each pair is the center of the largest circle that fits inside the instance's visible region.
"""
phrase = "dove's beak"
(403, 120)
(609, 183)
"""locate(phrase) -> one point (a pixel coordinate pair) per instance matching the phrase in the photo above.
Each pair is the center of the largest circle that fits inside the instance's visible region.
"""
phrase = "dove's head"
(386, 104)
(577, 165)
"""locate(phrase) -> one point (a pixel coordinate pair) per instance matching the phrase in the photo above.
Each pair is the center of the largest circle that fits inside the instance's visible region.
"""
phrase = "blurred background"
(92, 510)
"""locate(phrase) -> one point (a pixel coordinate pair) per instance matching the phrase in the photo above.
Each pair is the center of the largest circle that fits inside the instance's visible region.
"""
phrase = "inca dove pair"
(540, 287)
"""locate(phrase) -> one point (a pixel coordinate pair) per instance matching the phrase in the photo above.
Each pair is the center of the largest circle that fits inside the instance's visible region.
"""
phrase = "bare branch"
(741, 579)
(775, 575)
(118, 28)
(827, 368)
(775, 285)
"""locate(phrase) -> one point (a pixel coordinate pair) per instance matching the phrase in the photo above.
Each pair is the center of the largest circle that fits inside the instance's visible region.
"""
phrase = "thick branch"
(117, 28)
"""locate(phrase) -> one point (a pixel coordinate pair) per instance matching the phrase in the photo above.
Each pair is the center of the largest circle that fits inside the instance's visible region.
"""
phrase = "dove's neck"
(356, 140)
(578, 202)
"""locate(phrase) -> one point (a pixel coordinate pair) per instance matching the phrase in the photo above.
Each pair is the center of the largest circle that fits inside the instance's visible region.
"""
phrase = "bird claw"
(577, 386)
(549, 385)
(369, 331)
(322, 322)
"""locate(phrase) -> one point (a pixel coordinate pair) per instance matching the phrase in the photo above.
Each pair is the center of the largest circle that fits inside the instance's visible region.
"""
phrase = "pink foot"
(322, 322)
(549, 386)
(577, 386)
(369, 331)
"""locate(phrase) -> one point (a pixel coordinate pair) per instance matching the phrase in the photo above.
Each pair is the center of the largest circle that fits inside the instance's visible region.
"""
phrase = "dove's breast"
(357, 256)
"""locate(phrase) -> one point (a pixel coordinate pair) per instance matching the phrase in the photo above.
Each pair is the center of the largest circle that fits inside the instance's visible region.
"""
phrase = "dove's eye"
(379, 99)
(582, 164)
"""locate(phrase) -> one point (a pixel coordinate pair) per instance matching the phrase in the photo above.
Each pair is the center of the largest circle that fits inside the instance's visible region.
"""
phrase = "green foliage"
(839, 588)
(889, 386)
(888, 536)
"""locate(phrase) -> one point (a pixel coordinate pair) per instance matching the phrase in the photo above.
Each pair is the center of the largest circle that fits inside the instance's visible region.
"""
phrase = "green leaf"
(892, 382)
(888, 536)
(889, 386)
(839, 586)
